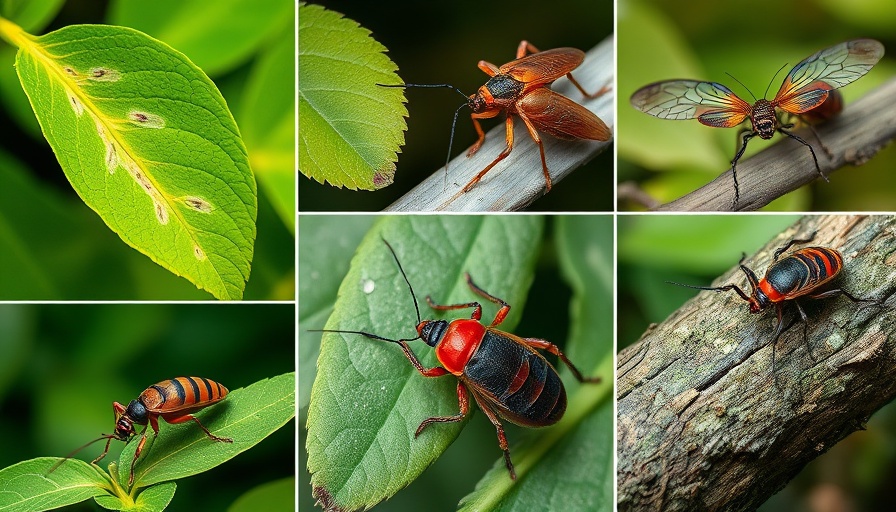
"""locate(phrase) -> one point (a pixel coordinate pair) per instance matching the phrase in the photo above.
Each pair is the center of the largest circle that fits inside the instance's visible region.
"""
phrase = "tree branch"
(701, 422)
(518, 180)
(856, 135)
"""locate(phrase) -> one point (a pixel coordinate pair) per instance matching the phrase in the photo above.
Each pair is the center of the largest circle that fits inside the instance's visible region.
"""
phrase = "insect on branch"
(518, 179)
(853, 137)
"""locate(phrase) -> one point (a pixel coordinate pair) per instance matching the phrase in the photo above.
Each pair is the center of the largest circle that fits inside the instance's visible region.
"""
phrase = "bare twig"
(853, 137)
(518, 180)
(702, 424)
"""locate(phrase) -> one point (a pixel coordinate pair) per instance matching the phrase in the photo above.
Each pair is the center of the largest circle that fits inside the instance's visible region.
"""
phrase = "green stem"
(13, 34)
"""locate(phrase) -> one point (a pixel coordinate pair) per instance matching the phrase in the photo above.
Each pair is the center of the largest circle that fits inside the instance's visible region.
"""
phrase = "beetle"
(810, 86)
(173, 400)
(801, 273)
(522, 87)
(505, 374)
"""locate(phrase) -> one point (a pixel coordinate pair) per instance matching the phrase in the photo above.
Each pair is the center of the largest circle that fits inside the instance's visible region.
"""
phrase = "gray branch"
(518, 180)
(857, 134)
(702, 424)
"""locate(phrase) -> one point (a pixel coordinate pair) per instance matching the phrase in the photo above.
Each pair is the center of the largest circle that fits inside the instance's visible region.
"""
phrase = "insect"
(522, 87)
(800, 274)
(173, 400)
(808, 91)
(507, 377)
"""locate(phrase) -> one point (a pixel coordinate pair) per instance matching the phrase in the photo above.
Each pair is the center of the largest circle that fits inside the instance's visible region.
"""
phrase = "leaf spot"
(161, 212)
(199, 253)
(368, 286)
(76, 104)
(111, 153)
(198, 204)
(100, 74)
(145, 119)
(70, 71)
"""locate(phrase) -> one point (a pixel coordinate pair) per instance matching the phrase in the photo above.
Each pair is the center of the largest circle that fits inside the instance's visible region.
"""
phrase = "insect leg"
(525, 47)
(505, 307)
(105, 451)
(744, 137)
(815, 133)
(502, 156)
(840, 291)
(502, 439)
(553, 349)
(477, 308)
(792, 241)
(805, 321)
(137, 453)
(778, 330)
(489, 68)
(187, 417)
(534, 134)
(462, 401)
(804, 143)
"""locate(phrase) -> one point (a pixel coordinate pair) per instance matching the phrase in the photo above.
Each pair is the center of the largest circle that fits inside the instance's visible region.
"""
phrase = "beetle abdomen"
(182, 393)
(803, 271)
(519, 381)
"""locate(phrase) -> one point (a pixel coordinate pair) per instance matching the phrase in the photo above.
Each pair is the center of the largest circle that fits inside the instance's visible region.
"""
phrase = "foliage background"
(857, 473)
(750, 39)
(62, 366)
(54, 247)
(441, 43)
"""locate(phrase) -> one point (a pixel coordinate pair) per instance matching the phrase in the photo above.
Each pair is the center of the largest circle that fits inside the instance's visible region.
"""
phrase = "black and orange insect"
(800, 274)
(808, 92)
(507, 377)
(522, 87)
(173, 400)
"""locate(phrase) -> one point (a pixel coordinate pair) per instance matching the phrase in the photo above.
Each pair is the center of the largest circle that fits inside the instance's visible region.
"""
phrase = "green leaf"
(267, 118)
(270, 496)
(351, 128)
(147, 141)
(326, 242)
(217, 37)
(247, 415)
(27, 486)
(570, 466)
(367, 400)
(152, 499)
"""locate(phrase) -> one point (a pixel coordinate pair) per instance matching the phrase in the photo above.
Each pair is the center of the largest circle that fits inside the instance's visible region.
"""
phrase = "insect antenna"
(772, 80)
(716, 288)
(377, 336)
(453, 123)
(742, 85)
(76, 450)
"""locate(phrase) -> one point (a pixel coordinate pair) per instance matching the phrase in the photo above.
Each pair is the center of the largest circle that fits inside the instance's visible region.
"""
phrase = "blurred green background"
(702, 40)
(440, 42)
(53, 247)
(858, 472)
(546, 314)
(62, 366)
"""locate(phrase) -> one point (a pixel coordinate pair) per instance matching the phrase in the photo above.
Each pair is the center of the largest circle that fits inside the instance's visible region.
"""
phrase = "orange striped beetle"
(173, 399)
(799, 274)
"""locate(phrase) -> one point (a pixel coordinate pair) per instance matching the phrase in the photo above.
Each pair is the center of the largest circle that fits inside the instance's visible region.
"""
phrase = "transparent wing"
(808, 83)
(711, 103)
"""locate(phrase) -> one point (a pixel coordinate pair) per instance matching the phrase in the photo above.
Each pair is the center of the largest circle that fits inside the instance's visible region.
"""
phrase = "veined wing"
(808, 83)
(711, 103)
(544, 67)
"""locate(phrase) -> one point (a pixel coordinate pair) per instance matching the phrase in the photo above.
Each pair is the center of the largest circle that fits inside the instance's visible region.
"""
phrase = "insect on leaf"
(147, 141)
(351, 129)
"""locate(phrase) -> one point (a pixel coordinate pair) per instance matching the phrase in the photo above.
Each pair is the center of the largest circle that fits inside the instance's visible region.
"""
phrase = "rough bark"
(702, 424)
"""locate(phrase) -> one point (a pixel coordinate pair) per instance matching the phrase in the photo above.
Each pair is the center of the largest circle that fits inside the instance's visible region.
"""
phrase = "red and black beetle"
(173, 400)
(507, 377)
(799, 274)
